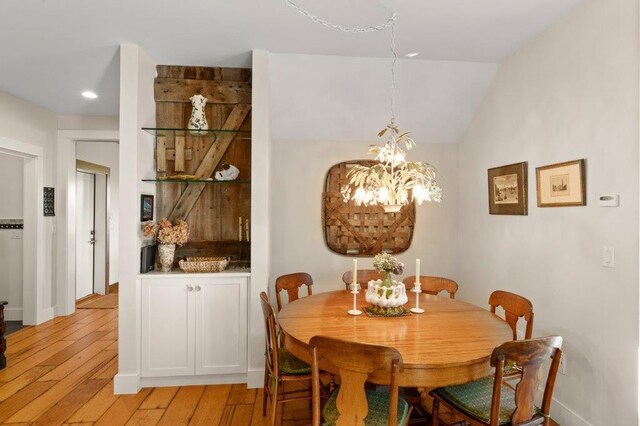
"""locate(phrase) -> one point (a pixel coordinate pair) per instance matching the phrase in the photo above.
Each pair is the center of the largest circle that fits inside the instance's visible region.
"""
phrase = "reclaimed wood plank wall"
(214, 216)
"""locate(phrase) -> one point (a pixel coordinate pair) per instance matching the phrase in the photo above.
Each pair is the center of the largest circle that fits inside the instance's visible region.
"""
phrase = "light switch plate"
(608, 257)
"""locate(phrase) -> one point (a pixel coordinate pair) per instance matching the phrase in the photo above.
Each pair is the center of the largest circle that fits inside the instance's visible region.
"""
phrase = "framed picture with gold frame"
(508, 189)
(562, 184)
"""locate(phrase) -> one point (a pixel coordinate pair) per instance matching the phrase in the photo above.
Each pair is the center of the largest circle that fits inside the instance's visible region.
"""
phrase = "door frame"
(66, 220)
(33, 241)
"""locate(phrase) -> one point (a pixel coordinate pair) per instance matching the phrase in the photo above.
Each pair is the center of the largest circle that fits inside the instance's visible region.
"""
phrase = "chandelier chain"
(390, 23)
(338, 27)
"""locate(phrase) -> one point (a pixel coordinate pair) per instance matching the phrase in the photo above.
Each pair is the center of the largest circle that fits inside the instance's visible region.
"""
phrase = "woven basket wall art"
(362, 231)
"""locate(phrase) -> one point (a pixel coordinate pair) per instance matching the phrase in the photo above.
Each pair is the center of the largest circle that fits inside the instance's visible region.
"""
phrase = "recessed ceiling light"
(89, 94)
(412, 54)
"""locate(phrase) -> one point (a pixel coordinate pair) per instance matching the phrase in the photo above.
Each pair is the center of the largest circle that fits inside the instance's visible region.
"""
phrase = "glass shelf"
(220, 182)
(165, 131)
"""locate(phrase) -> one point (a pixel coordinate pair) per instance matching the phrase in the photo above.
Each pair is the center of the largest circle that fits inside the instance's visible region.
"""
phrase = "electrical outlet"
(16, 235)
(563, 364)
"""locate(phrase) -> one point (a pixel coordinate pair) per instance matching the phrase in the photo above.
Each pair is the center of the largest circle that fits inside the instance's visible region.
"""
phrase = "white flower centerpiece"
(387, 296)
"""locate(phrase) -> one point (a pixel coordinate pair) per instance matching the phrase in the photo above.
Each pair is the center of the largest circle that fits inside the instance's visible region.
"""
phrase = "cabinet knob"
(189, 288)
(198, 288)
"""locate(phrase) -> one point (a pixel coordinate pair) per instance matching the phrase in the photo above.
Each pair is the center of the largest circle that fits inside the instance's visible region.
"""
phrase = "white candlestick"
(417, 290)
(239, 228)
(354, 291)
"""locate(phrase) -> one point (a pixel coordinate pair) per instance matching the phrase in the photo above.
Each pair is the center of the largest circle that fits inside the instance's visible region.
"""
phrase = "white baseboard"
(224, 379)
(13, 314)
(564, 415)
(255, 378)
(126, 384)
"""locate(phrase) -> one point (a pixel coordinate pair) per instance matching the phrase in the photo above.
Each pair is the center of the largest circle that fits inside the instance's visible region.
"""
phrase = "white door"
(221, 326)
(167, 328)
(85, 233)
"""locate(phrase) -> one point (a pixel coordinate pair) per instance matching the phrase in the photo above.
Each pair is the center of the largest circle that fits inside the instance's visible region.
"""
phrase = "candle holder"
(417, 290)
(354, 290)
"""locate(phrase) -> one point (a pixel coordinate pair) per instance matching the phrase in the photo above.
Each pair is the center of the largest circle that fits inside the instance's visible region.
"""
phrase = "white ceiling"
(52, 50)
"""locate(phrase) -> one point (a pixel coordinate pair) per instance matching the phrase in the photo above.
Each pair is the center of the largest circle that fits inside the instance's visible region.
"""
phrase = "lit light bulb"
(369, 197)
(420, 193)
(383, 194)
(360, 195)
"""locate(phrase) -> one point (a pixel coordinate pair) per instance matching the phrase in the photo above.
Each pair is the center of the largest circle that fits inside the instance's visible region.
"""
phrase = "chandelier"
(393, 181)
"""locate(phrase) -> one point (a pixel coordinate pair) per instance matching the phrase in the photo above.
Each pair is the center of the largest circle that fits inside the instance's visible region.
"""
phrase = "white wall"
(297, 242)
(339, 98)
(571, 93)
(261, 200)
(137, 110)
(25, 122)
(329, 109)
(11, 169)
(87, 122)
(106, 154)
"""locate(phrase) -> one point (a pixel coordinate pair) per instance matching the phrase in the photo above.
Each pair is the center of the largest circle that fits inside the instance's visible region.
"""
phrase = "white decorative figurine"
(198, 120)
(228, 172)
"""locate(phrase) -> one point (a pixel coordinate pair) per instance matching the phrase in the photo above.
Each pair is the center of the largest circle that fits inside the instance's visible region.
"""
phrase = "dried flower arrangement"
(387, 263)
(166, 232)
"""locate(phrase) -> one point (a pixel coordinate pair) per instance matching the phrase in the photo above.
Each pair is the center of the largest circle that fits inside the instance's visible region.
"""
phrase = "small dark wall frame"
(49, 201)
(146, 207)
(508, 189)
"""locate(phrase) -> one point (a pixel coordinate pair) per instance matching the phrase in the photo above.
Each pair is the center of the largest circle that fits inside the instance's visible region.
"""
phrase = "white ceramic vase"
(167, 253)
(198, 122)
(386, 297)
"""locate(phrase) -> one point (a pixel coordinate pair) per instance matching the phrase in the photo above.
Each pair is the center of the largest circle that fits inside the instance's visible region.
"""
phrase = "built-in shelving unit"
(186, 160)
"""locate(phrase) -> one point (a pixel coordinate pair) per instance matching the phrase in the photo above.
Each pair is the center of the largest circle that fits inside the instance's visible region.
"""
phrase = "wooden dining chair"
(280, 366)
(433, 285)
(489, 402)
(515, 307)
(291, 283)
(351, 403)
(363, 277)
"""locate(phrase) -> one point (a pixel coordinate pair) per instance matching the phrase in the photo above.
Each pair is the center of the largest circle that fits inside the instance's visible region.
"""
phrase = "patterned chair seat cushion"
(474, 399)
(378, 409)
(291, 365)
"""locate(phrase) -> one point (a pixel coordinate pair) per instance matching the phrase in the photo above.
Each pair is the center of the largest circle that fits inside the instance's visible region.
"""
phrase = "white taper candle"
(355, 271)
(417, 270)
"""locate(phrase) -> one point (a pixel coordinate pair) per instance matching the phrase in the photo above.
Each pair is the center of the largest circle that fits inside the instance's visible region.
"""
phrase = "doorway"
(92, 229)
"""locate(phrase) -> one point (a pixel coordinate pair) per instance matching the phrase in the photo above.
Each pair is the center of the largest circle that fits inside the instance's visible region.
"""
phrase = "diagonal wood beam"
(209, 163)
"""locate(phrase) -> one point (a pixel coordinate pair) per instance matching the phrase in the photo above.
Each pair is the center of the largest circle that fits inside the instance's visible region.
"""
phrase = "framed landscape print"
(561, 184)
(146, 208)
(508, 189)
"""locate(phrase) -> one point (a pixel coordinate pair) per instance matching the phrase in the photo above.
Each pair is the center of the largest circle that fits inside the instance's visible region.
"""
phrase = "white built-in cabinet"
(193, 326)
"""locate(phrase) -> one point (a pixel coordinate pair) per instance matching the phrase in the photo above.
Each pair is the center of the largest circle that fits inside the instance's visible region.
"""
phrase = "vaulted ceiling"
(52, 50)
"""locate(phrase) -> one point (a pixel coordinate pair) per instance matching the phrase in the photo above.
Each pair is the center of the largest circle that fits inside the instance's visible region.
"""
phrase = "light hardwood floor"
(61, 372)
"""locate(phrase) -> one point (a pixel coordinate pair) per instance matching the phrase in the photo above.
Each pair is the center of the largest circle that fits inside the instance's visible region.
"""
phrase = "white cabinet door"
(221, 326)
(168, 330)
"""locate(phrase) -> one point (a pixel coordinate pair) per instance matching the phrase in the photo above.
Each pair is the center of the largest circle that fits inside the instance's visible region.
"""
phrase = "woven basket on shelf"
(204, 264)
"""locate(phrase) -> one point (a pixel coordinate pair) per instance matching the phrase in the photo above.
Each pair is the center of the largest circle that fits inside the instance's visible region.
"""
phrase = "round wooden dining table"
(450, 343)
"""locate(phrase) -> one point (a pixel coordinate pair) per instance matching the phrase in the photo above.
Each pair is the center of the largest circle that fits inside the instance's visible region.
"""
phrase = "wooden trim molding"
(92, 167)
